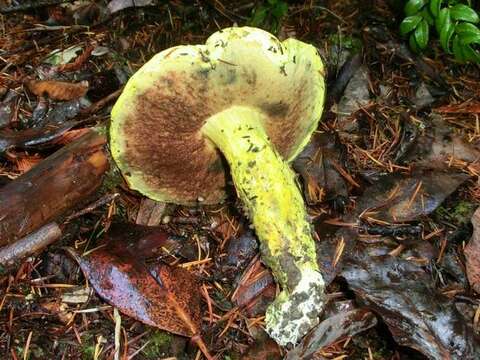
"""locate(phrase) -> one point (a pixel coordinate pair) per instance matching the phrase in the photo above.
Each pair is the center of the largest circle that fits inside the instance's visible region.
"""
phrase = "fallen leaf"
(150, 212)
(399, 198)
(319, 165)
(58, 90)
(472, 254)
(163, 296)
(61, 57)
(437, 145)
(26, 162)
(266, 349)
(418, 316)
(33, 137)
(333, 329)
(118, 5)
(255, 280)
(144, 241)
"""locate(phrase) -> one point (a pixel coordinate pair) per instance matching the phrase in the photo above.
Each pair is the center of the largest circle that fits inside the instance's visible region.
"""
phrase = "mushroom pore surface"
(156, 130)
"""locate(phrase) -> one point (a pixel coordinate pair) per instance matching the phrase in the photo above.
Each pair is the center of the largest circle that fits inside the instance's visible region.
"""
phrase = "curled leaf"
(442, 18)
(463, 12)
(446, 34)
(421, 34)
(467, 28)
(409, 23)
(435, 7)
(58, 90)
(414, 6)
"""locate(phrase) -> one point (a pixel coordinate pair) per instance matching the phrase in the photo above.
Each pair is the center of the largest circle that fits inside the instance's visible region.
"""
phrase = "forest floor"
(390, 179)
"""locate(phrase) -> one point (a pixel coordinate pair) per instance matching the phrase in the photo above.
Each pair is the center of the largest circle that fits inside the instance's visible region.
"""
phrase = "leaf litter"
(386, 179)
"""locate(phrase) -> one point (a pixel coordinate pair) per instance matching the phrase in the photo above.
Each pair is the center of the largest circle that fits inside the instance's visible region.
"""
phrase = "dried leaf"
(26, 162)
(58, 90)
(165, 297)
(418, 316)
(472, 254)
(333, 329)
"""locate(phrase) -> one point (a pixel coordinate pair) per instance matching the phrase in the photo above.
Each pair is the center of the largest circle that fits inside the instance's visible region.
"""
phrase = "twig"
(95, 107)
(30, 244)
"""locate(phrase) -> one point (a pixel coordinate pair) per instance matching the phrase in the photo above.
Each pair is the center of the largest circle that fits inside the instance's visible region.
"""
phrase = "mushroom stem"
(267, 187)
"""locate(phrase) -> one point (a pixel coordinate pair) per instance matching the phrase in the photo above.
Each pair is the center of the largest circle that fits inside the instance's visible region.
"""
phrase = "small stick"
(30, 244)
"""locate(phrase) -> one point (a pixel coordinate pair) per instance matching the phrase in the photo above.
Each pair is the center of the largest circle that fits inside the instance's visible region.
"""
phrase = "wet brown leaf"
(403, 294)
(398, 198)
(266, 349)
(472, 254)
(319, 165)
(333, 329)
(256, 282)
(58, 90)
(438, 144)
(162, 296)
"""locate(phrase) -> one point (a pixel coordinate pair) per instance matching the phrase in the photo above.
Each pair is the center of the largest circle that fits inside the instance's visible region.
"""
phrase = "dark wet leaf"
(333, 329)
(266, 349)
(472, 254)
(418, 316)
(162, 296)
(6, 108)
(25, 139)
(319, 165)
(240, 250)
(438, 145)
(150, 212)
(144, 241)
(118, 5)
(399, 198)
(255, 280)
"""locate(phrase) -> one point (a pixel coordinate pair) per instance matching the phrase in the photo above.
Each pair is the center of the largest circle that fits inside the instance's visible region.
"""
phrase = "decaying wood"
(52, 187)
(30, 244)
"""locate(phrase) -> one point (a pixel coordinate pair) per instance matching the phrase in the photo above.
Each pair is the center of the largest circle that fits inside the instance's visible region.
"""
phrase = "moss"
(87, 351)
(158, 345)
(458, 215)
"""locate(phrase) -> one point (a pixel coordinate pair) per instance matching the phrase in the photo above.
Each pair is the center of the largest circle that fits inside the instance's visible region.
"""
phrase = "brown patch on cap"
(163, 141)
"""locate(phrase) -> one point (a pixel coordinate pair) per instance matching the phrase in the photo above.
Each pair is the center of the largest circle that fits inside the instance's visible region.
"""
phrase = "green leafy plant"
(269, 15)
(453, 21)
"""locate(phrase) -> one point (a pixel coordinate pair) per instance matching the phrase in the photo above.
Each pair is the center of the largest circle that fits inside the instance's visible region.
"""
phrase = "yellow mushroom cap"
(156, 127)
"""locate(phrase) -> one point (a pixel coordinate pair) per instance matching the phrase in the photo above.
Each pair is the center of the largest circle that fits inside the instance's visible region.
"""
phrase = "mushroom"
(249, 99)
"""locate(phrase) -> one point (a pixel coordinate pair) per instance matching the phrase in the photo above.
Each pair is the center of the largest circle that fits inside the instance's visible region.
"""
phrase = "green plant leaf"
(466, 28)
(421, 34)
(435, 6)
(464, 13)
(446, 34)
(413, 44)
(427, 16)
(467, 38)
(280, 9)
(443, 17)
(457, 49)
(259, 16)
(471, 54)
(409, 23)
(414, 6)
